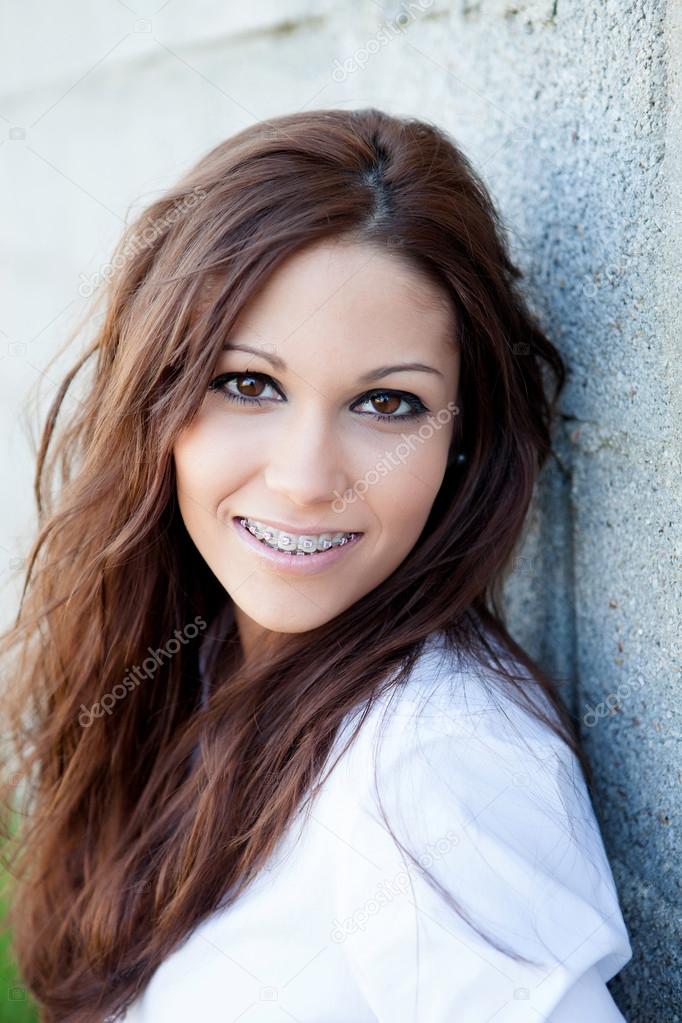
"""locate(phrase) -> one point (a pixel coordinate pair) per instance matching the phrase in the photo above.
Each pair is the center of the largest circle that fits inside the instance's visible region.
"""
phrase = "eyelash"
(417, 406)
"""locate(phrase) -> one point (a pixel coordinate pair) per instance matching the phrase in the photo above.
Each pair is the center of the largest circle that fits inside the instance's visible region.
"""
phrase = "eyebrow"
(373, 374)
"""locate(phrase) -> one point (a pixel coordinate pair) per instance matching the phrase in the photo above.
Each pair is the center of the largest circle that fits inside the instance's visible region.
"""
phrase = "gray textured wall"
(595, 192)
(571, 111)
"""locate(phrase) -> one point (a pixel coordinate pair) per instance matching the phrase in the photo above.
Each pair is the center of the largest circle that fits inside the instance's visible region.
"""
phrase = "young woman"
(276, 755)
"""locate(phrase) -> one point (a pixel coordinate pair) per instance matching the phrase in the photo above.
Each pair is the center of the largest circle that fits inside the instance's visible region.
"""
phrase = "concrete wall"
(571, 111)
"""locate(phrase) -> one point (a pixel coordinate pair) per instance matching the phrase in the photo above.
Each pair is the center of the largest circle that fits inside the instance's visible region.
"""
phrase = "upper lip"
(299, 530)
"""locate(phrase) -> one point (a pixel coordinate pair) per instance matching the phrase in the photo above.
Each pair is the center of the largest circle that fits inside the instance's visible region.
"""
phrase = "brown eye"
(389, 402)
(250, 386)
(386, 403)
(247, 389)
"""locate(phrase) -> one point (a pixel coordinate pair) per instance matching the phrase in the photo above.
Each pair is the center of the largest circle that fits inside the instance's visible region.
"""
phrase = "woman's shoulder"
(451, 697)
(492, 803)
(455, 746)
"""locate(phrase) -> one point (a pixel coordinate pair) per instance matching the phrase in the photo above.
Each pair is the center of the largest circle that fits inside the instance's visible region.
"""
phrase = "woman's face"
(303, 449)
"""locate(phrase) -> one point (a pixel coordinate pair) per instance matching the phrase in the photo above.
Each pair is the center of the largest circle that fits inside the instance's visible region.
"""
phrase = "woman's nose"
(307, 463)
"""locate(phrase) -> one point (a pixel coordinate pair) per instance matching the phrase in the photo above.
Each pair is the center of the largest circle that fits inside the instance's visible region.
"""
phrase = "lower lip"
(305, 564)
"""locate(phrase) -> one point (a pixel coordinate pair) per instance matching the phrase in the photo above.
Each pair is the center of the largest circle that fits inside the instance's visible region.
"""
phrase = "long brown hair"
(126, 839)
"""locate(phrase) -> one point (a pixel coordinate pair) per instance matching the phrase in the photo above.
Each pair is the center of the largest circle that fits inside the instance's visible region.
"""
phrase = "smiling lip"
(298, 530)
(298, 564)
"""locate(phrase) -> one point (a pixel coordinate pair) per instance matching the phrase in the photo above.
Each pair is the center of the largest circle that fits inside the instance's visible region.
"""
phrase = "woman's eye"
(253, 383)
(384, 405)
(389, 404)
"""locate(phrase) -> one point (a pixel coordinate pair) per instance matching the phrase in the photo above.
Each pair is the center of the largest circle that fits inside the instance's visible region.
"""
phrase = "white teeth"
(300, 544)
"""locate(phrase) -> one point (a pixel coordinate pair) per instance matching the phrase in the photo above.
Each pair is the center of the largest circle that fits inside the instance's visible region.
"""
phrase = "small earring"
(461, 458)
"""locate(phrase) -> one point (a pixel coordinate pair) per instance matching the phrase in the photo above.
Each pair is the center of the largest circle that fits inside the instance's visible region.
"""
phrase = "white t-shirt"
(341, 927)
